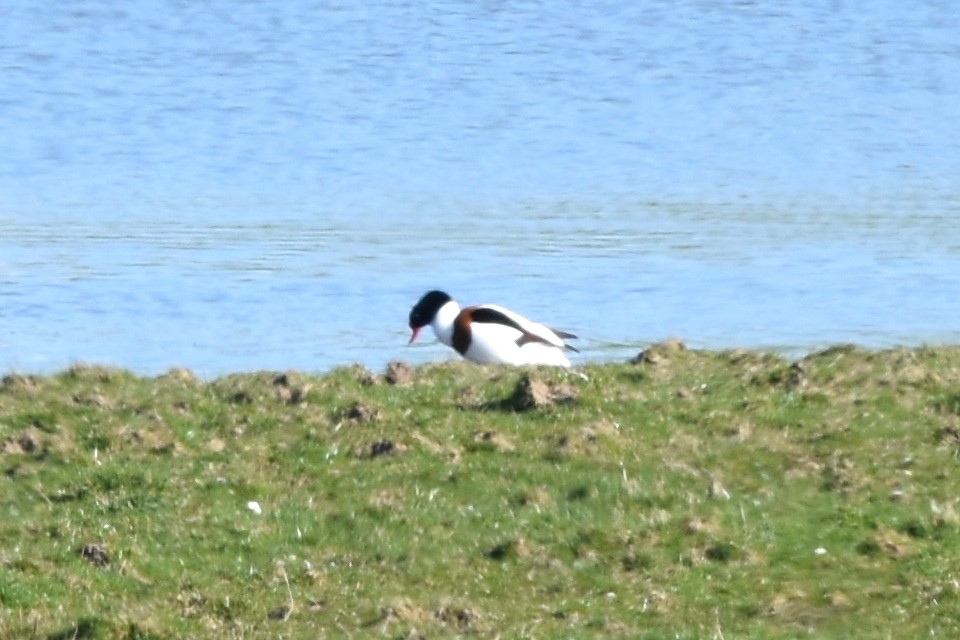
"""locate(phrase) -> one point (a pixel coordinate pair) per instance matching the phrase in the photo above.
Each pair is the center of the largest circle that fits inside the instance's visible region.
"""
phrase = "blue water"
(234, 186)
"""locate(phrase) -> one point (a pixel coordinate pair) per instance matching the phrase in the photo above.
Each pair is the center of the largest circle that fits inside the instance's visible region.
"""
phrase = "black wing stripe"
(492, 316)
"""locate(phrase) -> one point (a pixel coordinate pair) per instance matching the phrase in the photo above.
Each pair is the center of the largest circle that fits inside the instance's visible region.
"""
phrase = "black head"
(424, 311)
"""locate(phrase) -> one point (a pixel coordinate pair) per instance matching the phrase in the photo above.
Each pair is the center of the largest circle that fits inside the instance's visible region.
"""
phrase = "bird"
(489, 333)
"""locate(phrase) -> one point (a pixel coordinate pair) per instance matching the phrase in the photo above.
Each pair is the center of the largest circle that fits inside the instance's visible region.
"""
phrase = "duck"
(489, 333)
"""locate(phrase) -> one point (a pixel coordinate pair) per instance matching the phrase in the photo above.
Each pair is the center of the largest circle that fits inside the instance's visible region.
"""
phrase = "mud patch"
(458, 617)
(379, 449)
(288, 388)
(399, 373)
(502, 550)
(281, 612)
(361, 413)
(533, 393)
(96, 554)
(27, 442)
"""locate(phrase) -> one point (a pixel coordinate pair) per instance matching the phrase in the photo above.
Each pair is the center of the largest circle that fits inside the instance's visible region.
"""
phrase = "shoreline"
(789, 355)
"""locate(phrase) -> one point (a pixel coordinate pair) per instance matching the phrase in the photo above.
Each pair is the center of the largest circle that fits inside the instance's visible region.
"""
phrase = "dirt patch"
(494, 440)
(406, 611)
(399, 373)
(533, 393)
(583, 441)
(240, 397)
(288, 388)
(887, 542)
(456, 617)
(15, 382)
(502, 550)
(360, 412)
(27, 442)
(452, 452)
(281, 612)
(657, 353)
(96, 554)
(155, 440)
(535, 497)
(839, 473)
(380, 448)
(94, 399)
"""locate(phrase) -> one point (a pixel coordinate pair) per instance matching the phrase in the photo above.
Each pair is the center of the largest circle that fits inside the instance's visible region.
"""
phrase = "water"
(233, 186)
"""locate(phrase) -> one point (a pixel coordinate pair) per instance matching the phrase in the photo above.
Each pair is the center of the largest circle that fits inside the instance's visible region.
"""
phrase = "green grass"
(688, 495)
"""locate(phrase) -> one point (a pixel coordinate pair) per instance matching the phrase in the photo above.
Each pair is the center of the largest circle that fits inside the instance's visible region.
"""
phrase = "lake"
(235, 186)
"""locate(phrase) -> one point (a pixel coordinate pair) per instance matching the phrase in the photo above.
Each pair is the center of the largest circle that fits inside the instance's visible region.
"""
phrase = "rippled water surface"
(250, 185)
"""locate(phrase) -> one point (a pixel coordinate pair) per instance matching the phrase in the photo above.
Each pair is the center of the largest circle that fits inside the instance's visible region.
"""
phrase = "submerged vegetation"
(685, 494)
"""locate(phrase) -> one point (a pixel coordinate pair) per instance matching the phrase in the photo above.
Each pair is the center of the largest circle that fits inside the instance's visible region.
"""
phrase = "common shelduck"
(488, 333)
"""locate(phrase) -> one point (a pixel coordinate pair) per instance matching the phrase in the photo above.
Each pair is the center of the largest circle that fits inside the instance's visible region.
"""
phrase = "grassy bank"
(687, 494)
